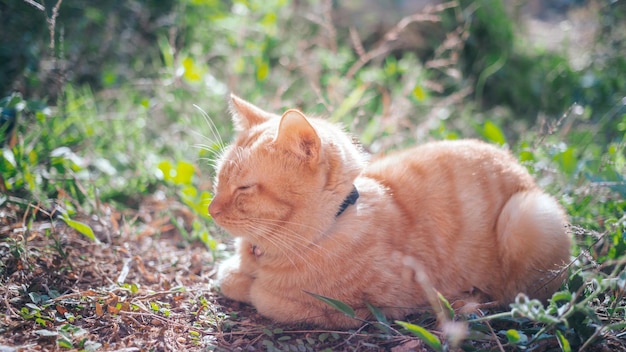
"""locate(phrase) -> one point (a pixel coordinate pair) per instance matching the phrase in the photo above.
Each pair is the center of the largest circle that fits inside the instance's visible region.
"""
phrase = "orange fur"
(462, 217)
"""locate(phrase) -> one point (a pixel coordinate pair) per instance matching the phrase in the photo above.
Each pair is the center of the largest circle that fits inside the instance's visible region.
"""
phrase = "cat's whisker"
(279, 238)
(287, 222)
(212, 127)
(318, 231)
(286, 244)
(282, 224)
(204, 138)
(279, 243)
(211, 159)
(293, 239)
(206, 147)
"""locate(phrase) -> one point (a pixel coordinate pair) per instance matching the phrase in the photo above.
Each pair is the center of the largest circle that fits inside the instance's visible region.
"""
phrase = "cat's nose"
(215, 208)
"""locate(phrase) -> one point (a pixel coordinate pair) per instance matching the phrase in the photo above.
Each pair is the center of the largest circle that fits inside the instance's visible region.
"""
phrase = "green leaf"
(239, 65)
(568, 161)
(167, 54)
(419, 93)
(493, 133)
(184, 173)
(378, 314)
(340, 306)
(526, 155)
(563, 343)
(91, 346)
(65, 343)
(262, 71)
(166, 168)
(383, 323)
(562, 296)
(513, 336)
(615, 327)
(33, 306)
(46, 333)
(430, 339)
(81, 227)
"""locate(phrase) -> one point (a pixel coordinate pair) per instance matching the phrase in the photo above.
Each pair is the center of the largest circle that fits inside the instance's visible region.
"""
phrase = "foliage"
(84, 47)
(544, 81)
(104, 195)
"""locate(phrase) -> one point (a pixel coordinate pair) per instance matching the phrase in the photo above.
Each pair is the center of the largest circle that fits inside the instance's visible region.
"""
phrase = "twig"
(356, 42)
(52, 20)
(36, 5)
(495, 336)
(163, 320)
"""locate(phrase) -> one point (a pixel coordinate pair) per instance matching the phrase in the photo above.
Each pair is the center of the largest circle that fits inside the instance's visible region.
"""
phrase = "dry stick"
(52, 23)
(164, 320)
(356, 42)
(37, 5)
(495, 336)
(9, 308)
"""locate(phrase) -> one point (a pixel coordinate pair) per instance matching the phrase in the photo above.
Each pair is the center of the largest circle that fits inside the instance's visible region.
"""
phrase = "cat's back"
(451, 166)
(450, 188)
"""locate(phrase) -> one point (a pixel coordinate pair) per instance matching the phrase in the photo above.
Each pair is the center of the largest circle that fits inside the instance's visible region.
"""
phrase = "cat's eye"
(245, 187)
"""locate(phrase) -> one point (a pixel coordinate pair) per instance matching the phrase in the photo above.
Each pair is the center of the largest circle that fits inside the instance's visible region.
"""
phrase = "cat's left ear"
(246, 115)
(296, 134)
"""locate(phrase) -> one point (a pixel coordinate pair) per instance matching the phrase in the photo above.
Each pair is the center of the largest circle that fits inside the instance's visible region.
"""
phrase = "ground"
(140, 286)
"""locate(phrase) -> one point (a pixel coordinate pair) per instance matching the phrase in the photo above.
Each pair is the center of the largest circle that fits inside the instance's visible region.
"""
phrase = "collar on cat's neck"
(350, 199)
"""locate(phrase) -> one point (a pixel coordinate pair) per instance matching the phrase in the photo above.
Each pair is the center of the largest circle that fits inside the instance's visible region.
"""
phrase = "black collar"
(350, 199)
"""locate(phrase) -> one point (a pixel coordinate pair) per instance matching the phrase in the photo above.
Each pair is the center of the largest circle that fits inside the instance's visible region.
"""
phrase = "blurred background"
(115, 94)
(107, 91)
(112, 114)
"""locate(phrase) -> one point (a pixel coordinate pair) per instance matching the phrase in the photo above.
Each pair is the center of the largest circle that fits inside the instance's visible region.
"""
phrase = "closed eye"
(245, 187)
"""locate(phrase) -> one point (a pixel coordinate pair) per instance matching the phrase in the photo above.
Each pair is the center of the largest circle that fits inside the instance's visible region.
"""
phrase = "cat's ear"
(297, 135)
(246, 115)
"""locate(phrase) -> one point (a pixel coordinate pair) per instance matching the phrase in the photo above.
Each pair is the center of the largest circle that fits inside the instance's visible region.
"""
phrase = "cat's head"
(288, 172)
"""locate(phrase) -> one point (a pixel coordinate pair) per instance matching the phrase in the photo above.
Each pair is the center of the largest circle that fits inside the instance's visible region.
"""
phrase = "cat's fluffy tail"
(534, 245)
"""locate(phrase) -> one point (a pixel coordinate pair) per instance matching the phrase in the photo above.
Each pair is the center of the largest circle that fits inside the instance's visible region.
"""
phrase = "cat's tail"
(534, 245)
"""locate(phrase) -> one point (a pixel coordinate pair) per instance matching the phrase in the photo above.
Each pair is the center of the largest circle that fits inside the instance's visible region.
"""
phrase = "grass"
(105, 241)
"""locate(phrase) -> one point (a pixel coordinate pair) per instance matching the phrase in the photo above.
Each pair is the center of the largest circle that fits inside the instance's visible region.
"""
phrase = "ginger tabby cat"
(311, 215)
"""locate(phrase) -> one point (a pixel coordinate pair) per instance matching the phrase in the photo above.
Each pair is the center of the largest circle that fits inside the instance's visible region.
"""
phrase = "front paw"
(234, 282)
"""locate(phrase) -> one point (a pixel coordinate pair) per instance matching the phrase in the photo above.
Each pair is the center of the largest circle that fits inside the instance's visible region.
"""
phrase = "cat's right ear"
(246, 115)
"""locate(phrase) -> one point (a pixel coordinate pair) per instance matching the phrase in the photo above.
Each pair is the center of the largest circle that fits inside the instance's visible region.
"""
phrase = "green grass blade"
(430, 339)
(378, 314)
(445, 306)
(81, 227)
(349, 103)
(340, 306)
(565, 346)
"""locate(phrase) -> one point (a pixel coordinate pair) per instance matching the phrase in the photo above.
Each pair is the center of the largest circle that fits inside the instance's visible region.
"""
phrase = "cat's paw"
(234, 283)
